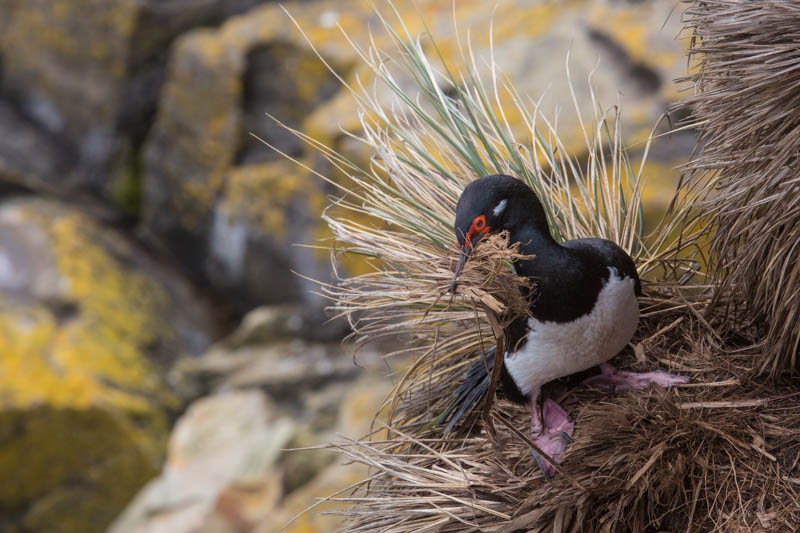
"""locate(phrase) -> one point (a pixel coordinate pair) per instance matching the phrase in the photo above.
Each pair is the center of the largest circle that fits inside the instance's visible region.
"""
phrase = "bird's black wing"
(471, 391)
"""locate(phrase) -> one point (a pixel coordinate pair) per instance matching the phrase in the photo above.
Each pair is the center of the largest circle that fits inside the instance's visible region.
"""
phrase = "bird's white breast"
(554, 349)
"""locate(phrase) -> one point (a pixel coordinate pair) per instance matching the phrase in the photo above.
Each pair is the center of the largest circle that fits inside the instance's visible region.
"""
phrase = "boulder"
(230, 207)
(274, 323)
(221, 454)
(66, 66)
(263, 213)
(19, 139)
(296, 514)
(356, 406)
(287, 369)
(233, 466)
(87, 330)
(87, 73)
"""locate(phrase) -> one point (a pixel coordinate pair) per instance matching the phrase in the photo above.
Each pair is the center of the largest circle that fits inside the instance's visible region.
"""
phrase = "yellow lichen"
(261, 194)
(80, 400)
(68, 470)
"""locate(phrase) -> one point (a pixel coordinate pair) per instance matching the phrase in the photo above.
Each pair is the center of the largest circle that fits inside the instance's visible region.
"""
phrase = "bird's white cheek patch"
(499, 208)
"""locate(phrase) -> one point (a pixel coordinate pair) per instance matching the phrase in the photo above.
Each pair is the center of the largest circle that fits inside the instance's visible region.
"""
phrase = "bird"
(583, 311)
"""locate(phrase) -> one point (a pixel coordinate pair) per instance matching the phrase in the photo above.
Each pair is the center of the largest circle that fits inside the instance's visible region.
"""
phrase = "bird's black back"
(568, 278)
(609, 254)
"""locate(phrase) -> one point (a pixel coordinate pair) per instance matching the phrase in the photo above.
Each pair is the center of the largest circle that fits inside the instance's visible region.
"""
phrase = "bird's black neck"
(565, 284)
(527, 225)
(547, 255)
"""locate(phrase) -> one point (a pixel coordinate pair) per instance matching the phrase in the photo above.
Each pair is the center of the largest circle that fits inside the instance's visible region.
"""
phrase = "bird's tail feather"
(470, 393)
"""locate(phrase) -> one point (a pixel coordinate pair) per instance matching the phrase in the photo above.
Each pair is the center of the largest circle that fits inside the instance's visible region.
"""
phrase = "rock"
(300, 466)
(268, 324)
(284, 369)
(159, 23)
(309, 474)
(66, 62)
(230, 207)
(360, 406)
(88, 73)
(220, 457)
(357, 407)
(6, 11)
(231, 465)
(243, 504)
(331, 482)
(87, 329)
(19, 138)
(69, 466)
(263, 211)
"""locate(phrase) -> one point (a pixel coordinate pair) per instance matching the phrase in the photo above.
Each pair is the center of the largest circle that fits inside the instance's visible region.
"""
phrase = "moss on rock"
(84, 341)
(71, 469)
(200, 157)
(54, 50)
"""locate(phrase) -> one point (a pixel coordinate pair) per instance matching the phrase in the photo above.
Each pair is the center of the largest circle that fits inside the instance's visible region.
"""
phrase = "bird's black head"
(492, 204)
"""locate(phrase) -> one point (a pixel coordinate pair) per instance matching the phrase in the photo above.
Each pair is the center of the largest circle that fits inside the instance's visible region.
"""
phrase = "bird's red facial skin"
(478, 227)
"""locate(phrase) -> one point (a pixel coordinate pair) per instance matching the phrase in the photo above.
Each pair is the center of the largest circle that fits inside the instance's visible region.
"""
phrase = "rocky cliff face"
(134, 169)
(88, 329)
(88, 74)
(229, 466)
(135, 110)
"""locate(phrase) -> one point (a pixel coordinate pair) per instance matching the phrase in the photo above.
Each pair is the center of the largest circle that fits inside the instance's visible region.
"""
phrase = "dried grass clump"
(746, 107)
(719, 453)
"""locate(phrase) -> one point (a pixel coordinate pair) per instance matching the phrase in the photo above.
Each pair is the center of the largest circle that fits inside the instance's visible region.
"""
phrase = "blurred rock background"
(140, 222)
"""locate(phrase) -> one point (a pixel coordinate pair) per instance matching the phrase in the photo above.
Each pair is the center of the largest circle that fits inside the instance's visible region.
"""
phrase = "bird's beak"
(469, 244)
(462, 258)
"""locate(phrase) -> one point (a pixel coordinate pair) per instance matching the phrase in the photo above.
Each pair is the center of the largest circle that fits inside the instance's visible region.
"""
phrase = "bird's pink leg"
(536, 413)
(551, 431)
(614, 379)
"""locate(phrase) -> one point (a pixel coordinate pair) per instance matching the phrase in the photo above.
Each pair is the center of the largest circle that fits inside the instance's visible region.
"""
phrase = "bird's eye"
(479, 222)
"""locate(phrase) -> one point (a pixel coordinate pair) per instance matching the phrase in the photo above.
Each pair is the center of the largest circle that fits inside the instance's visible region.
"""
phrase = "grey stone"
(89, 74)
(221, 441)
(211, 188)
(89, 327)
(20, 139)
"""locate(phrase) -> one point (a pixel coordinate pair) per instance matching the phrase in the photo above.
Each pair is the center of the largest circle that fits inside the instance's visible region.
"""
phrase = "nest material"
(746, 108)
(720, 453)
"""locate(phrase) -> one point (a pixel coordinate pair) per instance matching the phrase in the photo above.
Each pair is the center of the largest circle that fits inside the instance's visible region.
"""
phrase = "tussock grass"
(717, 455)
(746, 106)
(720, 453)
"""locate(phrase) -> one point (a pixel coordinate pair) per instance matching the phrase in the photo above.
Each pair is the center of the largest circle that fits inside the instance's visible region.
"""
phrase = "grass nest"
(721, 453)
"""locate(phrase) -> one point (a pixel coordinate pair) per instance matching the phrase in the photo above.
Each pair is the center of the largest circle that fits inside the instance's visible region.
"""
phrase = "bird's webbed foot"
(614, 380)
(553, 436)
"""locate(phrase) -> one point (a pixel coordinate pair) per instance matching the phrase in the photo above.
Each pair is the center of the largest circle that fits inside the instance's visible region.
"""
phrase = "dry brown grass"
(718, 454)
(746, 107)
